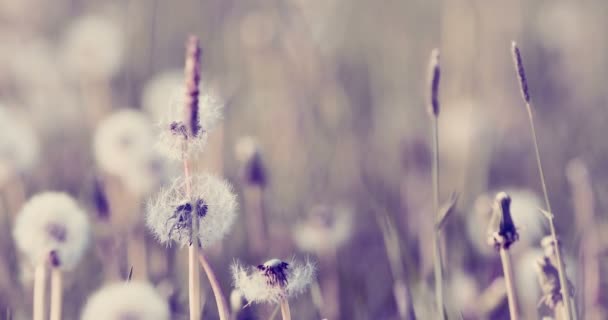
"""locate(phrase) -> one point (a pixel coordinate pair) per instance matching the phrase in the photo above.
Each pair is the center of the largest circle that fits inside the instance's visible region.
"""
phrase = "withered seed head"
(192, 71)
(521, 74)
(502, 232)
(433, 78)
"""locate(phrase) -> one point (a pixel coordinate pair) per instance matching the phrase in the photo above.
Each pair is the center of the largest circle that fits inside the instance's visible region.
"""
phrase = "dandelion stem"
(56, 293)
(507, 268)
(194, 290)
(222, 306)
(519, 67)
(39, 291)
(285, 312)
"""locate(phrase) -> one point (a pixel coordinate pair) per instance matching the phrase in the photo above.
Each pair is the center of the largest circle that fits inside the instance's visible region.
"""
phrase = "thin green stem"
(560, 263)
(437, 263)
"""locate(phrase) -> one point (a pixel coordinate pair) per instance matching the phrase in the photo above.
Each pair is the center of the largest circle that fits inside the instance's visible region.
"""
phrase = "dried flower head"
(124, 147)
(126, 301)
(250, 156)
(93, 47)
(19, 146)
(327, 228)
(213, 204)
(502, 232)
(548, 278)
(272, 281)
(433, 78)
(52, 222)
(521, 73)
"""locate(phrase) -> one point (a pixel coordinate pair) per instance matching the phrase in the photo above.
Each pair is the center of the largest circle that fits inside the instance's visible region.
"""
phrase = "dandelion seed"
(327, 228)
(169, 213)
(126, 301)
(272, 281)
(124, 147)
(93, 47)
(52, 222)
(19, 146)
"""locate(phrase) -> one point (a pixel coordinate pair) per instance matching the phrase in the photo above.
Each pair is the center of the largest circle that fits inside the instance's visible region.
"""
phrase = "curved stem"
(222, 306)
(285, 312)
(560, 263)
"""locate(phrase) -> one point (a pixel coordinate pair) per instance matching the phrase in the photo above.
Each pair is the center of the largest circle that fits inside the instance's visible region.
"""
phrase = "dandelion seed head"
(161, 91)
(52, 222)
(172, 136)
(124, 147)
(327, 228)
(126, 301)
(213, 203)
(19, 145)
(93, 47)
(272, 281)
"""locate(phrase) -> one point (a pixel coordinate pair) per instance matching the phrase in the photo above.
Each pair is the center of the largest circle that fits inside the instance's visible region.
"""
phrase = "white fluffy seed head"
(52, 222)
(126, 300)
(160, 91)
(259, 284)
(171, 143)
(212, 201)
(124, 147)
(93, 47)
(19, 145)
(327, 228)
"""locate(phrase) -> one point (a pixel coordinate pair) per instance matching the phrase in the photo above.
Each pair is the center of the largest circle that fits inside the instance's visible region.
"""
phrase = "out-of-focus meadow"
(326, 140)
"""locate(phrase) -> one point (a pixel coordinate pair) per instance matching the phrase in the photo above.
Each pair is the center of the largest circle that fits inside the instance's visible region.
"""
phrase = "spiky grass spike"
(433, 78)
(519, 68)
(193, 76)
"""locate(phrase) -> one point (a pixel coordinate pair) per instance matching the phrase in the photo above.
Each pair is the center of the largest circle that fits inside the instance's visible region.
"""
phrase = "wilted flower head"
(126, 301)
(212, 202)
(161, 91)
(327, 228)
(174, 134)
(272, 281)
(124, 147)
(51, 225)
(93, 47)
(19, 146)
(502, 232)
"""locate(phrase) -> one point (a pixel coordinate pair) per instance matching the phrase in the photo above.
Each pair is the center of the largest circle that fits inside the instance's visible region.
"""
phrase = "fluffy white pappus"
(272, 281)
(124, 146)
(126, 300)
(327, 228)
(528, 220)
(19, 145)
(212, 202)
(160, 91)
(171, 140)
(93, 47)
(52, 222)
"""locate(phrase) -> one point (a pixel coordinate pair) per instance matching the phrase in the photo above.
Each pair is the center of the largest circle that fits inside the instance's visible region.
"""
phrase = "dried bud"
(249, 154)
(502, 232)
(192, 72)
(433, 78)
(100, 200)
(521, 74)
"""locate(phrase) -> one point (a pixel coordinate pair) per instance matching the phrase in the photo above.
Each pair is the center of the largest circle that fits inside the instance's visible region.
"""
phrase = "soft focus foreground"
(321, 129)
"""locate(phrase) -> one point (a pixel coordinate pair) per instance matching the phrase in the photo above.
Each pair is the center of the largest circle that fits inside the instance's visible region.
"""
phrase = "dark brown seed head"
(433, 78)
(192, 71)
(521, 73)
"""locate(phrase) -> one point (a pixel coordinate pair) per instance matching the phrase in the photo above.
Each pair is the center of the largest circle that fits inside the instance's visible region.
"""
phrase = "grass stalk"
(526, 97)
(507, 268)
(222, 306)
(56, 293)
(285, 312)
(39, 292)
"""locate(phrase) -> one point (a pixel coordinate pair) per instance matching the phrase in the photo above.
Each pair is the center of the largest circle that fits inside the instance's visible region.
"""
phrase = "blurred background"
(326, 140)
